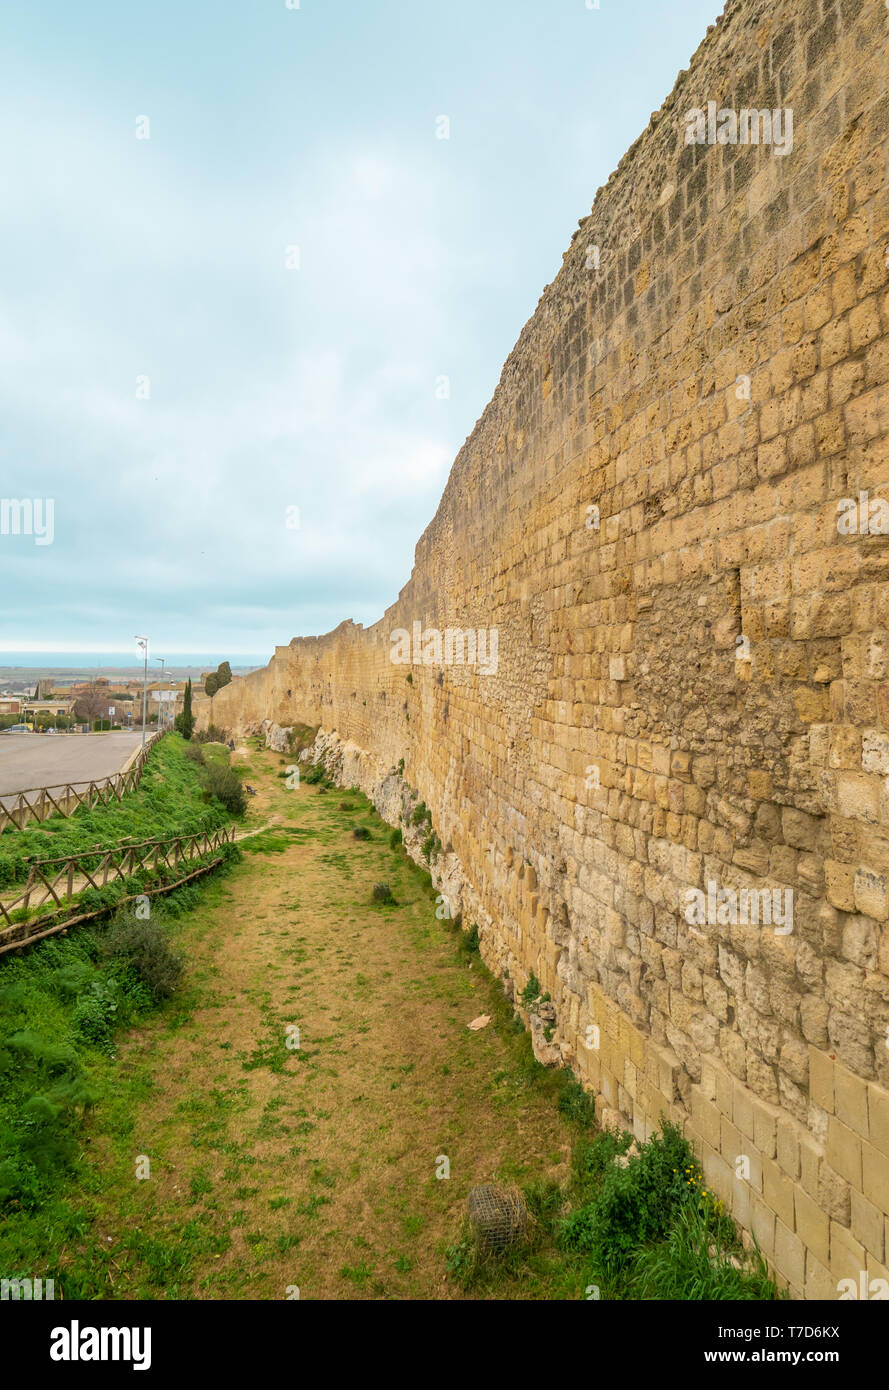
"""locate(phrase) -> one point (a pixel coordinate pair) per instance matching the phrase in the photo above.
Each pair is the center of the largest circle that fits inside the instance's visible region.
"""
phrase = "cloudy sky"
(244, 320)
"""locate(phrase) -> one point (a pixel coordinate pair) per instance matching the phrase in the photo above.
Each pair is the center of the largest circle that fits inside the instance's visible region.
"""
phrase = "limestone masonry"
(671, 521)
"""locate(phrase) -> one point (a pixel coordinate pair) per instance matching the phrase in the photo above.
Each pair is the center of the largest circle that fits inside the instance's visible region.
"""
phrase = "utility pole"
(143, 643)
(160, 703)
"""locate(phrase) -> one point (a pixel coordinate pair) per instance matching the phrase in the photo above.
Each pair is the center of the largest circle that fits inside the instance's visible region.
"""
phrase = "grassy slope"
(168, 800)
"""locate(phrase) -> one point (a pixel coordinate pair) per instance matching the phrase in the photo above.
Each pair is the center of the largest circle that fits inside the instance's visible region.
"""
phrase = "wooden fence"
(60, 880)
(64, 798)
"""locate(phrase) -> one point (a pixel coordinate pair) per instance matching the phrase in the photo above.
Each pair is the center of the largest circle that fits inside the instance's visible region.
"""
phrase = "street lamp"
(160, 703)
(143, 643)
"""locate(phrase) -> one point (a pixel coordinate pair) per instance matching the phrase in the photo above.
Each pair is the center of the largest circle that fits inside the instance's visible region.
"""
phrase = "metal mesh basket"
(498, 1214)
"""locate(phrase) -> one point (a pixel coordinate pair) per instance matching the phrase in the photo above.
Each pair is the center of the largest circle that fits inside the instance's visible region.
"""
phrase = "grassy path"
(314, 1166)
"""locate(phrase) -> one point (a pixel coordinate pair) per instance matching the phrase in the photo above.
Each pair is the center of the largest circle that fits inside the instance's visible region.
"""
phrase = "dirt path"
(275, 1167)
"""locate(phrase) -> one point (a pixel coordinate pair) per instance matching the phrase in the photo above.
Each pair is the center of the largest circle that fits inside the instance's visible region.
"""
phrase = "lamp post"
(160, 703)
(143, 643)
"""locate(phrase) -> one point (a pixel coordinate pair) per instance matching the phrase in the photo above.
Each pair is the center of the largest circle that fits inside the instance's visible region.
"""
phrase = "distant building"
(49, 707)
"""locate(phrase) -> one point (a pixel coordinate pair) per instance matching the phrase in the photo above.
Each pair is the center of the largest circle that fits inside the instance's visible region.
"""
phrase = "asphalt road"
(47, 760)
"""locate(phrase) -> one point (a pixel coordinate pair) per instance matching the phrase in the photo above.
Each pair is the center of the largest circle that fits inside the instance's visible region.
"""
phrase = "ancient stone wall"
(655, 514)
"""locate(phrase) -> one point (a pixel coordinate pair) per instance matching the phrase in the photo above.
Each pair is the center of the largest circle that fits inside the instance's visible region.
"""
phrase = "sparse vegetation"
(301, 737)
(316, 775)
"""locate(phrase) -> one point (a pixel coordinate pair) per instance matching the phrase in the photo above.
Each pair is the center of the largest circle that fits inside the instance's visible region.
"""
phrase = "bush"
(225, 784)
(395, 839)
(361, 832)
(94, 1013)
(431, 847)
(591, 1159)
(637, 1203)
(144, 946)
(382, 893)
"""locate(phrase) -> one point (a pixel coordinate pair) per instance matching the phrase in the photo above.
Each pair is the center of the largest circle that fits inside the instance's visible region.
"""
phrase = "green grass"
(63, 1001)
(169, 800)
(216, 753)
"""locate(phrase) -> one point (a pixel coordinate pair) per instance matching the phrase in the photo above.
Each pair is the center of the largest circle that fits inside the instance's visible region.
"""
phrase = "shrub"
(382, 893)
(145, 947)
(361, 832)
(314, 773)
(431, 847)
(591, 1158)
(532, 993)
(468, 943)
(637, 1203)
(395, 839)
(225, 784)
(93, 1018)
(420, 814)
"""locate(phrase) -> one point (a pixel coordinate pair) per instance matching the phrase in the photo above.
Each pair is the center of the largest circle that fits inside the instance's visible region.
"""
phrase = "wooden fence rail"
(64, 798)
(60, 880)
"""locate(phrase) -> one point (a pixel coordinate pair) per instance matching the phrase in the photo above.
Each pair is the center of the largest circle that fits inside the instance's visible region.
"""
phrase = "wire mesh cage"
(498, 1214)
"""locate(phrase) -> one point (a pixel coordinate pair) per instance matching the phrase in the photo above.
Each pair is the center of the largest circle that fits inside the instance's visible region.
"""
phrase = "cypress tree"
(185, 721)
